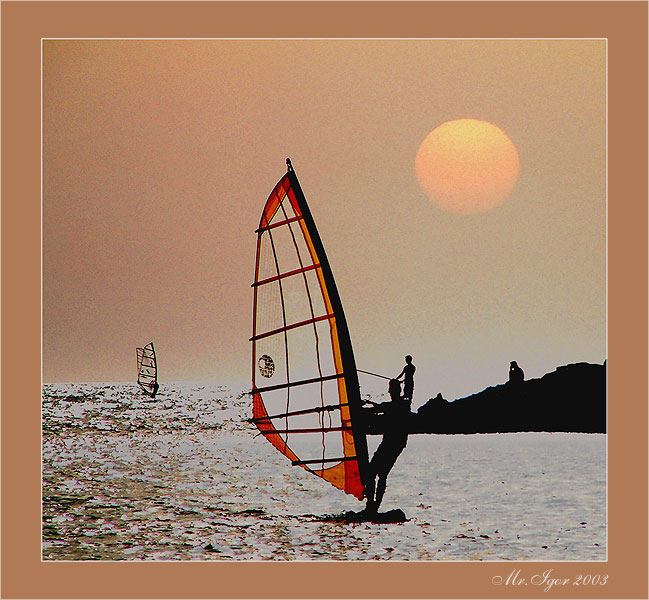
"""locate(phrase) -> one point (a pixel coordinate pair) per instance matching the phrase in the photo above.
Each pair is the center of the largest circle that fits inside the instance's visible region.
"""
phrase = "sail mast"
(346, 351)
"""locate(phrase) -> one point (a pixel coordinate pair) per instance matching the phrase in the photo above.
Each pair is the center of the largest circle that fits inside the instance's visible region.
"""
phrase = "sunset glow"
(467, 166)
(158, 156)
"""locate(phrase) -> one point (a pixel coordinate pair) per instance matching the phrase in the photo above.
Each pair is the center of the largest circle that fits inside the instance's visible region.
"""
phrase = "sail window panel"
(315, 291)
(309, 348)
(270, 359)
(303, 398)
(309, 446)
(326, 418)
(286, 210)
(298, 303)
(276, 403)
(267, 266)
(147, 368)
(309, 355)
(325, 349)
(317, 394)
(301, 244)
(269, 315)
(284, 245)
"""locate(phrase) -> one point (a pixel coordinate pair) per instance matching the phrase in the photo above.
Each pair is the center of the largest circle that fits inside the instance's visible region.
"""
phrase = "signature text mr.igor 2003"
(548, 580)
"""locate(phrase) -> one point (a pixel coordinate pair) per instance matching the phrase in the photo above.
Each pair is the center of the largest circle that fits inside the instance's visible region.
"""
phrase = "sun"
(467, 166)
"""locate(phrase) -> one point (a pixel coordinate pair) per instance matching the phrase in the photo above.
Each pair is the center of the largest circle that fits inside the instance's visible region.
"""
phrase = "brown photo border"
(24, 24)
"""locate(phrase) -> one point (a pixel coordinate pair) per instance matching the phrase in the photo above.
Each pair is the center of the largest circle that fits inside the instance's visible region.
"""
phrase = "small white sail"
(147, 369)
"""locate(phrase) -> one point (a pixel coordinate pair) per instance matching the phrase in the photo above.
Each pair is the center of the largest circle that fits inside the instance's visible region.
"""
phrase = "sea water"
(185, 477)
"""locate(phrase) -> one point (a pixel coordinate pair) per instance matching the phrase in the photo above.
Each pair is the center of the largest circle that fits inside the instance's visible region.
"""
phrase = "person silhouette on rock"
(516, 375)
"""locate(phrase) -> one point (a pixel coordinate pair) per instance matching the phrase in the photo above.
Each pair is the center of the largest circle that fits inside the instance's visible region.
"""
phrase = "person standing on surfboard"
(394, 441)
(408, 374)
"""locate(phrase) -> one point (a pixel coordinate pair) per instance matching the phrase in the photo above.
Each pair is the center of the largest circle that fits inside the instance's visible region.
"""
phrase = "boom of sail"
(147, 369)
(306, 396)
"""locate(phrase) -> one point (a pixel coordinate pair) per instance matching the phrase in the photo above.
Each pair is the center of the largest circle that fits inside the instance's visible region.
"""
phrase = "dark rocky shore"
(570, 399)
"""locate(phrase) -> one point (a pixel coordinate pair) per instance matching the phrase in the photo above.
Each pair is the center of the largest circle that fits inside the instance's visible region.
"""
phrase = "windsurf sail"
(147, 369)
(306, 396)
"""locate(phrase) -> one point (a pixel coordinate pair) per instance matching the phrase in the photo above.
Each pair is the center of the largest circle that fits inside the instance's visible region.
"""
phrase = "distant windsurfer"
(394, 441)
(408, 374)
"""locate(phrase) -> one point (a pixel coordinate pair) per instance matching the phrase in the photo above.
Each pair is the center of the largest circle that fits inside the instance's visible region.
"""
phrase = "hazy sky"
(159, 156)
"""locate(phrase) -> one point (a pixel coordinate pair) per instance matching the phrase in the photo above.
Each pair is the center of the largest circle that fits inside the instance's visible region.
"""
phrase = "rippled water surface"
(183, 477)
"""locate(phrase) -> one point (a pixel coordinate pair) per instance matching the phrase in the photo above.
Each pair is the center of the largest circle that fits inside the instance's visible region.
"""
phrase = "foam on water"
(184, 477)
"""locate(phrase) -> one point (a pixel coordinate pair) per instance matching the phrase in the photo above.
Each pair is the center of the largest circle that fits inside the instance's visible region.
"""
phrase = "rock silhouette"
(570, 399)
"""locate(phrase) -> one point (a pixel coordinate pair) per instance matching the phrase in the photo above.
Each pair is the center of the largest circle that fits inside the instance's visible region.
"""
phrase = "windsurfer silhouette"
(394, 441)
(408, 374)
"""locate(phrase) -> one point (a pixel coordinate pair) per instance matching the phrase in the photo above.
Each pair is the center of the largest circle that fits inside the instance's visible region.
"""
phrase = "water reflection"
(183, 477)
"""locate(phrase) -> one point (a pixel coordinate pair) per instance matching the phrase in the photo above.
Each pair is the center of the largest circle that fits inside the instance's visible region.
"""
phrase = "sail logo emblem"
(266, 366)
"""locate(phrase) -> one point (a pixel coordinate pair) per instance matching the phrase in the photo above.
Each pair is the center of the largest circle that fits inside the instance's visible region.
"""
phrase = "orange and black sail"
(306, 397)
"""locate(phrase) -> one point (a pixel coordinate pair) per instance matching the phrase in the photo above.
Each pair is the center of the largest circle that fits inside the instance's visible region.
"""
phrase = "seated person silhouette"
(408, 373)
(394, 441)
(516, 375)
